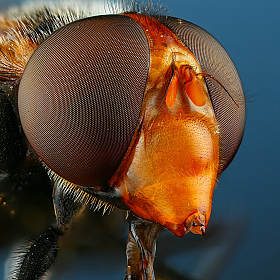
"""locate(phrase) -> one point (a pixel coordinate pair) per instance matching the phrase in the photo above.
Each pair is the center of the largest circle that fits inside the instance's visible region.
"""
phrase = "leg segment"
(38, 257)
(141, 249)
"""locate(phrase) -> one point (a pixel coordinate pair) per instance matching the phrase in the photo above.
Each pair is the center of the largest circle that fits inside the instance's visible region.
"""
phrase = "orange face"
(169, 172)
(160, 142)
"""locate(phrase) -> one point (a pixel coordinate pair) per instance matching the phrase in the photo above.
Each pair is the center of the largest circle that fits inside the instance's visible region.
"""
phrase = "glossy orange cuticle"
(169, 172)
(172, 90)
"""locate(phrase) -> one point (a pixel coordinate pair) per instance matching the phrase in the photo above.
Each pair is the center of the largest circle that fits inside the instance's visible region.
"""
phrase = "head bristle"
(79, 195)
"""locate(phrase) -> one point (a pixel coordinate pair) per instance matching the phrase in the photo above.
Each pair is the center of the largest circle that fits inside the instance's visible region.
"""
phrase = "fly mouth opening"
(195, 223)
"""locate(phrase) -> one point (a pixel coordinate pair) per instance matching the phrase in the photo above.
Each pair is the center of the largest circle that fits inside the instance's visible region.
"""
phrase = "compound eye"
(80, 96)
(228, 100)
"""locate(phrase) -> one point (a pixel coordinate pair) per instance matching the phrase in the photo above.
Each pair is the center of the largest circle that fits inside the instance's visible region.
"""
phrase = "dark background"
(246, 205)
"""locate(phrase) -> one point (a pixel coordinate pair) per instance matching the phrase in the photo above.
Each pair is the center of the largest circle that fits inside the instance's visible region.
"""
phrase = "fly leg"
(141, 249)
(34, 261)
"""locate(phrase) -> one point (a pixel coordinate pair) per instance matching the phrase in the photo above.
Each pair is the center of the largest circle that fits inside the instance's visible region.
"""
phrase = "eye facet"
(215, 61)
(81, 94)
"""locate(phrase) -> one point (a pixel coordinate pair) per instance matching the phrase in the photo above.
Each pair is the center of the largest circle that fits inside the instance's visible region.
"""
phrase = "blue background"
(249, 188)
(247, 196)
